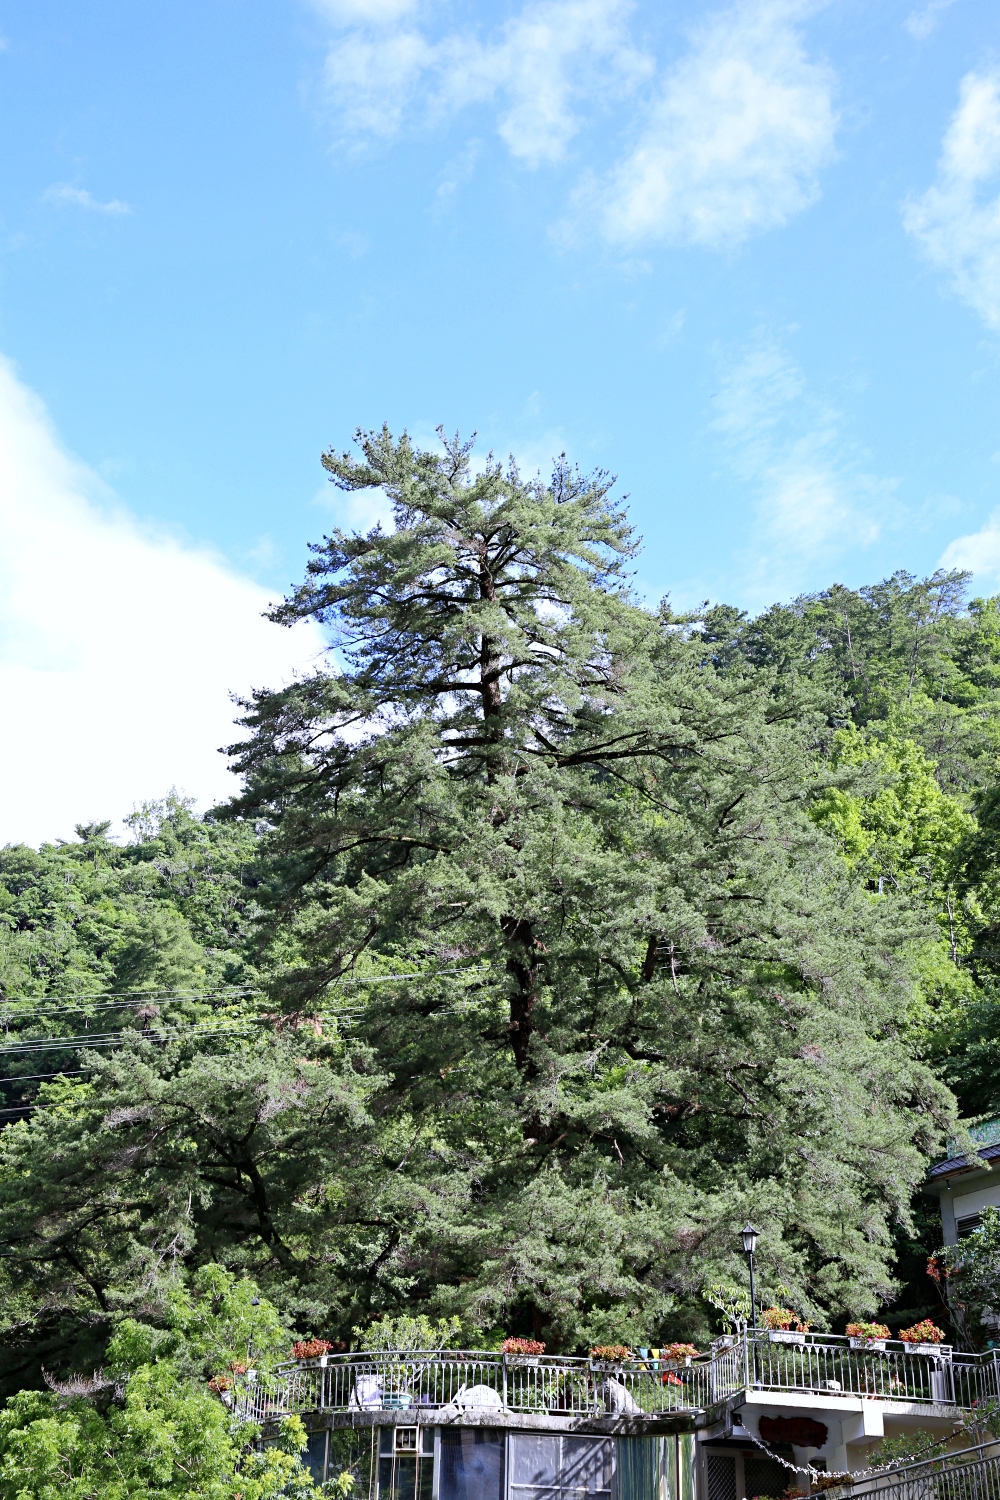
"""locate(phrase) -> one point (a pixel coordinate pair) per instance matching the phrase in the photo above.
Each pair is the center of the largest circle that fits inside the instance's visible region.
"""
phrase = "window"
(560, 1468)
(765, 1476)
(471, 1464)
(721, 1476)
(405, 1464)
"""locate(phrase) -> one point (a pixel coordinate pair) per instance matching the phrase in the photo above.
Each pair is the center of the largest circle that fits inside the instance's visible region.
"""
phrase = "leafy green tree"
(905, 652)
(96, 937)
(968, 1277)
(166, 1158)
(150, 1427)
(650, 996)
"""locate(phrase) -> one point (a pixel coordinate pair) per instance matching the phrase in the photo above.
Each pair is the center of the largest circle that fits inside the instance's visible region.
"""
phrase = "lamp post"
(749, 1235)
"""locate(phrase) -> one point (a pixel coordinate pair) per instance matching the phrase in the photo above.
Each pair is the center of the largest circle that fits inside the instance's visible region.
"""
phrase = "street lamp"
(749, 1235)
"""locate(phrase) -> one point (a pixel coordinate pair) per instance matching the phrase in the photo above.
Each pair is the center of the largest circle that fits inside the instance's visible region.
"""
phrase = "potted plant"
(923, 1338)
(680, 1353)
(867, 1335)
(522, 1351)
(610, 1354)
(311, 1349)
(778, 1321)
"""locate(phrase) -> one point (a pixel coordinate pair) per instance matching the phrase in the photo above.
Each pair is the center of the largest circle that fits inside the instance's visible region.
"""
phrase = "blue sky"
(746, 257)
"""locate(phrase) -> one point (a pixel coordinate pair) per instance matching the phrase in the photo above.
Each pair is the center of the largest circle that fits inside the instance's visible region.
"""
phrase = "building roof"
(958, 1164)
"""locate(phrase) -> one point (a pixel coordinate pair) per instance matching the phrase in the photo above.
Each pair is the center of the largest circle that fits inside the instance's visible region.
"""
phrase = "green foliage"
(550, 938)
(153, 1429)
(732, 1302)
(904, 830)
(652, 996)
(907, 1448)
(166, 911)
(167, 1156)
(970, 1271)
(410, 1333)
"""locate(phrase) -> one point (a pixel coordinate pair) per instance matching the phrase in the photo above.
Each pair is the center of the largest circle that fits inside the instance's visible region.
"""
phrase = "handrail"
(467, 1379)
(946, 1477)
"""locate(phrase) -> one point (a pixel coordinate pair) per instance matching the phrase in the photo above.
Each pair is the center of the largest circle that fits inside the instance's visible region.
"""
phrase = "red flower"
(310, 1348)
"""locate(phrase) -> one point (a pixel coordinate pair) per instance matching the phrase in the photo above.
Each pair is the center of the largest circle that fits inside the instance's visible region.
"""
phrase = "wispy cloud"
(128, 654)
(548, 62)
(728, 139)
(735, 141)
(956, 224)
(979, 552)
(920, 23)
(364, 12)
(540, 70)
(814, 501)
(78, 197)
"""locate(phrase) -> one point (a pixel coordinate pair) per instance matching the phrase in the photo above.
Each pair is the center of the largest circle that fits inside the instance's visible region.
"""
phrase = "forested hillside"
(550, 939)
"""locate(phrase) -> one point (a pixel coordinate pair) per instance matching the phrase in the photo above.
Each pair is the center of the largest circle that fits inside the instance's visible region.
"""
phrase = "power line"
(125, 994)
(31, 1077)
(137, 997)
(144, 997)
(114, 1038)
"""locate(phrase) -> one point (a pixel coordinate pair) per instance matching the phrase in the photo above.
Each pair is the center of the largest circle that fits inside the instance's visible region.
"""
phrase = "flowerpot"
(862, 1343)
(782, 1336)
(527, 1361)
(322, 1361)
(924, 1348)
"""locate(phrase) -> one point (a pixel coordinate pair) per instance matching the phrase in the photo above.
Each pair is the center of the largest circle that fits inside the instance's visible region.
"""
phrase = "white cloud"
(734, 143)
(813, 504)
(363, 12)
(547, 59)
(371, 80)
(957, 229)
(979, 552)
(920, 23)
(543, 67)
(118, 647)
(77, 197)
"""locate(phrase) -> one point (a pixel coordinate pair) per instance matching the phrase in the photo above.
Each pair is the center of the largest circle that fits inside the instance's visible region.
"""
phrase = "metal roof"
(957, 1164)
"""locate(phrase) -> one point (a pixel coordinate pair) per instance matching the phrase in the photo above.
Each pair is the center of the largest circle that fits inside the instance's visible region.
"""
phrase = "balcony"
(546, 1390)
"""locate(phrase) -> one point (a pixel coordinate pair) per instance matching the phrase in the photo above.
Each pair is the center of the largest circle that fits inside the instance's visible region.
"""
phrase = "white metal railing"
(888, 1370)
(465, 1380)
(971, 1474)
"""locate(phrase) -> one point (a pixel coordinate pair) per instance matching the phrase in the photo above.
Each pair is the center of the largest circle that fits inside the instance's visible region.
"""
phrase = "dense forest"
(549, 938)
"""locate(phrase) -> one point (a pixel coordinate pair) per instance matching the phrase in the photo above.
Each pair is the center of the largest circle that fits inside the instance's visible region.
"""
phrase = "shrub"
(522, 1346)
(613, 1352)
(405, 1335)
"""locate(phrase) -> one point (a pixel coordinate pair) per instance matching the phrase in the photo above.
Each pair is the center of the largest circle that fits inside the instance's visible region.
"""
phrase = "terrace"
(801, 1371)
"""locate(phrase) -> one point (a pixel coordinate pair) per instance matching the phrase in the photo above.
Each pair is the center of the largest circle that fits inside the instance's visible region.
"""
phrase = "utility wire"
(31, 1077)
(138, 997)
(125, 994)
(148, 997)
(115, 1038)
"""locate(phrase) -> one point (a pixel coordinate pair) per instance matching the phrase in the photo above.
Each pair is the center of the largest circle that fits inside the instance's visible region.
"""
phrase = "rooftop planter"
(610, 1356)
(867, 1335)
(779, 1323)
(522, 1351)
(923, 1338)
